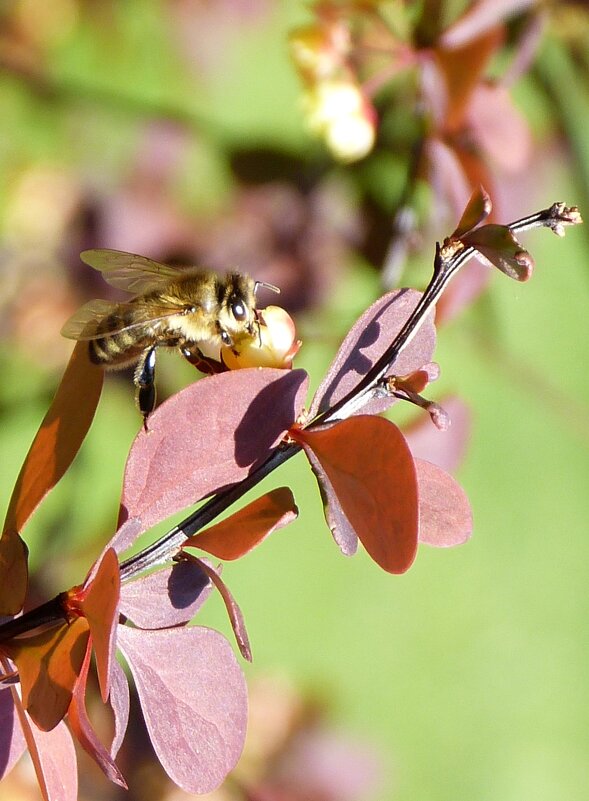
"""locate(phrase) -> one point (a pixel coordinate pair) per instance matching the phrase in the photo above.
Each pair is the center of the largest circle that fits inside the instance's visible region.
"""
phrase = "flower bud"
(275, 346)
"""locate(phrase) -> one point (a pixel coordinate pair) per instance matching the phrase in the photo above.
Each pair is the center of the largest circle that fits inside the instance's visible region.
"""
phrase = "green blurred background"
(124, 124)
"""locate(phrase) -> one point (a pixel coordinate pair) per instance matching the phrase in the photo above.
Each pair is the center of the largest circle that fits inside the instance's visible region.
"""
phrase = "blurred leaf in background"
(173, 128)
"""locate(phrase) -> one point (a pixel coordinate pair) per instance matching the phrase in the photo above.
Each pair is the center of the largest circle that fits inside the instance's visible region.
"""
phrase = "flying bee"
(172, 307)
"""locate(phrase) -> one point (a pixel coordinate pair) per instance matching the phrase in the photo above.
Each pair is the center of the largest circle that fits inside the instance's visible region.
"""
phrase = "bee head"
(236, 308)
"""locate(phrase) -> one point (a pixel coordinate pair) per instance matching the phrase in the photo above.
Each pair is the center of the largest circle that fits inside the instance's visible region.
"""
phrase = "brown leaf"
(100, 604)
(55, 445)
(372, 477)
(49, 664)
(14, 572)
(84, 732)
(59, 437)
(239, 534)
(477, 209)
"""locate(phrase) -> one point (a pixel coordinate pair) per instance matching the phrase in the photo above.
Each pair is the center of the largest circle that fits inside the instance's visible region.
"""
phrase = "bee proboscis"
(174, 307)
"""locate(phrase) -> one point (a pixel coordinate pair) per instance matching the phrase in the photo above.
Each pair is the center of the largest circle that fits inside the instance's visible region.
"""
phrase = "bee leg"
(144, 380)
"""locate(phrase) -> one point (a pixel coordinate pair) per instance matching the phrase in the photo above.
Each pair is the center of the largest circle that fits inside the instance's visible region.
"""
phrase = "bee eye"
(225, 338)
(238, 310)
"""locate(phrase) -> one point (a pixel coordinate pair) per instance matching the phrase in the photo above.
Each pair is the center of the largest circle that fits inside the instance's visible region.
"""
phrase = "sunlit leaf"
(14, 573)
(373, 479)
(49, 664)
(341, 529)
(194, 701)
(367, 340)
(499, 246)
(235, 614)
(477, 209)
(444, 448)
(54, 757)
(55, 445)
(84, 731)
(12, 741)
(445, 516)
(100, 607)
(237, 535)
(119, 701)
(169, 597)
(59, 437)
(208, 436)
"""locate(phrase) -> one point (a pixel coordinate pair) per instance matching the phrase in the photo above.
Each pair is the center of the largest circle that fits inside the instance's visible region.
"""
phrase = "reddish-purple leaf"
(501, 130)
(367, 340)
(208, 436)
(444, 448)
(169, 597)
(49, 664)
(100, 601)
(59, 437)
(235, 615)
(462, 69)
(372, 477)
(239, 534)
(341, 529)
(57, 757)
(14, 572)
(119, 701)
(477, 209)
(445, 516)
(499, 246)
(84, 731)
(194, 701)
(56, 443)
(12, 741)
(53, 756)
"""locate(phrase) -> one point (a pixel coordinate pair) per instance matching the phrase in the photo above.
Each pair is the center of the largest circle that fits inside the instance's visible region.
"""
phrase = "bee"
(172, 307)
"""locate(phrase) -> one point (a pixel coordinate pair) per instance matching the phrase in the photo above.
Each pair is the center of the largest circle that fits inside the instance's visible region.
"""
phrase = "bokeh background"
(175, 129)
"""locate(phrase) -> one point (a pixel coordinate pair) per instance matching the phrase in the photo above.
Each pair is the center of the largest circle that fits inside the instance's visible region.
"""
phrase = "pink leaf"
(445, 516)
(444, 448)
(57, 761)
(206, 437)
(169, 597)
(84, 732)
(12, 741)
(235, 615)
(194, 701)
(119, 701)
(367, 341)
(100, 601)
(341, 529)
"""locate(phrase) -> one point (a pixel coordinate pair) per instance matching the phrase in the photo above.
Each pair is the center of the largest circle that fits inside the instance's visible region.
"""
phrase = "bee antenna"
(263, 284)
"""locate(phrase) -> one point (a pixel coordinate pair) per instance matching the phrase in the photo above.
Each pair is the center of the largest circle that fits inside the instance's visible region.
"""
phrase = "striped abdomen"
(121, 347)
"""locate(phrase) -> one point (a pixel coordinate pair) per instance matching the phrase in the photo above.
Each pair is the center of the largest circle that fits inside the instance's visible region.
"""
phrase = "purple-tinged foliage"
(12, 741)
(194, 701)
(219, 438)
(366, 341)
(445, 516)
(169, 597)
(445, 448)
(209, 436)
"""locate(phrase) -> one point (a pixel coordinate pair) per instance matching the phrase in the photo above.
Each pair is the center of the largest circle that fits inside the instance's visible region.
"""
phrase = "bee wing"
(101, 318)
(130, 272)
